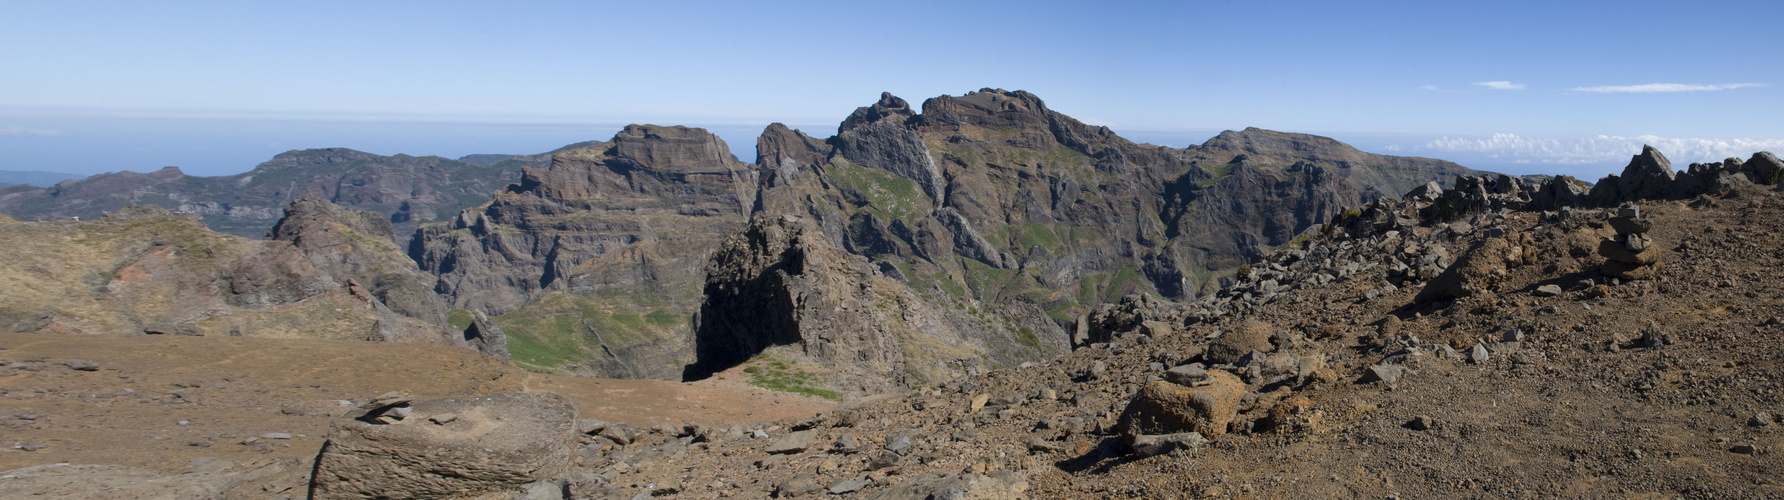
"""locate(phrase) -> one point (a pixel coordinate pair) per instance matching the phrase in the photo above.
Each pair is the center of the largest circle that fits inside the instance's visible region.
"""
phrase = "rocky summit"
(989, 204)
(594, 264)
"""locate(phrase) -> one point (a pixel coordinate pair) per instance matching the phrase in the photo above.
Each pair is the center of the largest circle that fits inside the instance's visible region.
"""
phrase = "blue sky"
(1537, 87)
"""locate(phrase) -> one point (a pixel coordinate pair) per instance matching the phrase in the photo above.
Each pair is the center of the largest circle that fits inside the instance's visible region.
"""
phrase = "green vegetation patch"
(1117, 284)
(459, 319)
(563, 328)
(1027, 236)
(784, 376)
(986, 281)
(888, 196)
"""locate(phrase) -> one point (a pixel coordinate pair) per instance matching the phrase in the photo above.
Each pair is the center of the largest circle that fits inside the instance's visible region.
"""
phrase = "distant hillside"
(408, 190)
(34, 178)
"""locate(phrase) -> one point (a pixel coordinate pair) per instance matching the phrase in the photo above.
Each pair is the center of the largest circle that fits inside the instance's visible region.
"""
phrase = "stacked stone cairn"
(1631, 254)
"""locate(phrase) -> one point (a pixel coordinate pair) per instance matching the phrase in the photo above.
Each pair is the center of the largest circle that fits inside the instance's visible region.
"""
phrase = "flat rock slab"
(494, 442)
(793, 442)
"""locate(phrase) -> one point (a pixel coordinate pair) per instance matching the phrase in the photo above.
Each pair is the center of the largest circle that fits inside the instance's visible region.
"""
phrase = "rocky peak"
(989, 108)
(889, 107)
(355, 249)
(643, 163)
(878, 137)
(1648, 175)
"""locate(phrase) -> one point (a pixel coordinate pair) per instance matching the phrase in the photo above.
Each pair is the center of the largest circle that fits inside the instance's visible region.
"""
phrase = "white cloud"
(17, 131)
(1664, 87)
(1501, 85)
(1603, 148)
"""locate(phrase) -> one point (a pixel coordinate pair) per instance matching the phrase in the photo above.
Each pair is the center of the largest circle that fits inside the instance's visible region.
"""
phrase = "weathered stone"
(1156, 329)
(849, 486)
(1629, 272)
(1621, 252)
(1384, 373)
(500, 441)
(1631, 225)
(1166, 408)
(1189, 375)
(1421, 423)
(1548, 290)
(793, 442)
(81, 365)
(1154, 445)
(1760, 419)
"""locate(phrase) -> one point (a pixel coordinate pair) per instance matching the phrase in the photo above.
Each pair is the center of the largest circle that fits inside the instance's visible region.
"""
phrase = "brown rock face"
(144, 270)
(1165, 408)
(782, 283)
(356, 246)
(448, 447)
(611, 235)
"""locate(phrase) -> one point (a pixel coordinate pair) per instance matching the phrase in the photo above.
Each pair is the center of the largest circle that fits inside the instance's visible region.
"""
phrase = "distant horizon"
(209, 146)
(1519, 86)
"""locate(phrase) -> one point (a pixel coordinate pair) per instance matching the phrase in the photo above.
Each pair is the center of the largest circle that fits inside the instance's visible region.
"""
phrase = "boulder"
(1764, 168)
(494, 442)
(1166, 408)
(1154, 445)
(1251, 335)
(1620, 252)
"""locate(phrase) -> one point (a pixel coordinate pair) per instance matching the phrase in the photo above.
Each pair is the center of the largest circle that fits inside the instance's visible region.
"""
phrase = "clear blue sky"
(216, 87)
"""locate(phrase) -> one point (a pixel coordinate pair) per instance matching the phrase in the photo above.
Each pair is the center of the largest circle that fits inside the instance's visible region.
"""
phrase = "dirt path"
(160, 402)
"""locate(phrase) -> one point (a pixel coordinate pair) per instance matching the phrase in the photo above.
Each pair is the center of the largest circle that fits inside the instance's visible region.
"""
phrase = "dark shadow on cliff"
(744, 314)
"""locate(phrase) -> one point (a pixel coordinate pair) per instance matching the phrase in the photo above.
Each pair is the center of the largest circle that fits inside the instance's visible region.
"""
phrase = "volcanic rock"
(496, 442)
(1166, 408)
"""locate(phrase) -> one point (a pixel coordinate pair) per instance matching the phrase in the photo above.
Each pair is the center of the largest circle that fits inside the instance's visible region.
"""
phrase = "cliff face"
(355, 247)
(993, 203)
(612, 236)
(782, 288)
(995, 185)
(407, 190)
(145, 270)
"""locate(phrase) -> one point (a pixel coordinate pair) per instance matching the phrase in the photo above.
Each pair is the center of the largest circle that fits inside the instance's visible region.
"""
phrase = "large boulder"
(1163, 407)
(1764, 168)
(446, 447)
(1250, 335)
(1478, 269)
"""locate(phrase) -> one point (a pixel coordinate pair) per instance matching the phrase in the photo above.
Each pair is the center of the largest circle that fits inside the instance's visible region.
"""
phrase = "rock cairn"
(1631, 255)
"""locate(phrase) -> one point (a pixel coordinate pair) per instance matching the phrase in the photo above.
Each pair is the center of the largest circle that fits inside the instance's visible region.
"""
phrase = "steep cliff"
(593, 265)
(782, 288)
(993, 196)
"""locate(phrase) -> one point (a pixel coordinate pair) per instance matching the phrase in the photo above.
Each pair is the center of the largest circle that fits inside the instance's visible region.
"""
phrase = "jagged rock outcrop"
(604, 249)
(1085, 212)
(407, 190)
(355, 247)
(783, 283)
